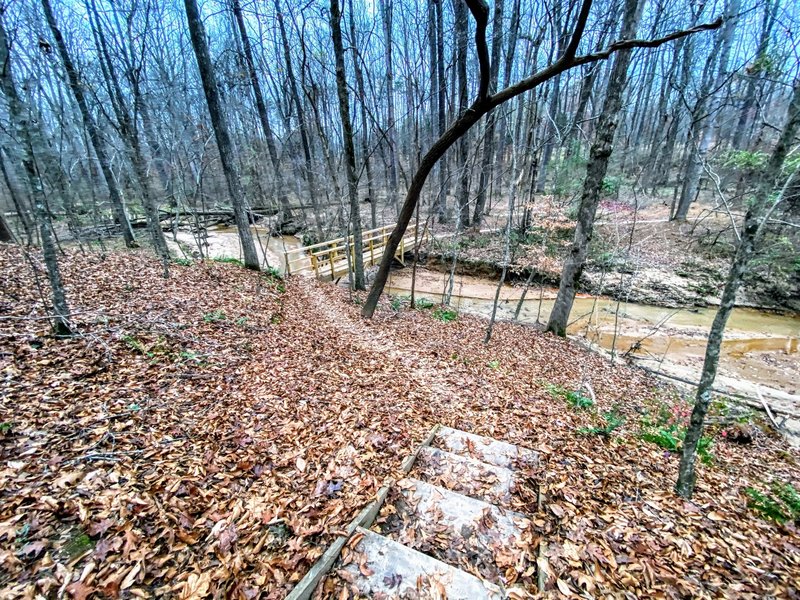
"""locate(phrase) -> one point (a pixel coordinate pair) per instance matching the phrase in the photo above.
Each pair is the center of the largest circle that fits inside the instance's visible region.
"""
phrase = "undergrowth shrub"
(572, 397)
(781, 505)
(610, 421)
(445, 314)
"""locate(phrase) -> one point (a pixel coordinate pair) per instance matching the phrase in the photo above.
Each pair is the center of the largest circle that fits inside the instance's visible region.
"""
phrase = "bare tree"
(94, 135)
(349, 146)
(595, 174)
(224, 144)
(24, 128)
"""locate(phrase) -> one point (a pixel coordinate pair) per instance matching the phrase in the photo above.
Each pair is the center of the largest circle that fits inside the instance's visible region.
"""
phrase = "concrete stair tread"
(467, 533)
(466, 476)
(484, 449)
(383, 568)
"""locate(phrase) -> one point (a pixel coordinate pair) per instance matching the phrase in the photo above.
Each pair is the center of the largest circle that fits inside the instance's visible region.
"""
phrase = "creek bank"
(653, 286)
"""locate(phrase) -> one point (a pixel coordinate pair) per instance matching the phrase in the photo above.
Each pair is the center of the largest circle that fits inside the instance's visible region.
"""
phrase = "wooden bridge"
(335, 258)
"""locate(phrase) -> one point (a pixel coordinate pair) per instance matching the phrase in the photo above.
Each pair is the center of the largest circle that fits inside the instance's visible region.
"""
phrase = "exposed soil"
(637, 256)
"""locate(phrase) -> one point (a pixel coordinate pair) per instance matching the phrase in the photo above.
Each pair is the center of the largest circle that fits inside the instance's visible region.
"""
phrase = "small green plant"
(189, 355)
(77, 545)
(274, 273)
(214, 316)
(228, 260)
(135, 344)
(5, 428)
(423, 303)
(790, 497)
(241, 321)
(573, 397)
(445, 314)
(276, 319)
(493, 364)
(612, 420)
(397, 302)
(184, 262)
(704, 450)
(663, 437)
(611, 186)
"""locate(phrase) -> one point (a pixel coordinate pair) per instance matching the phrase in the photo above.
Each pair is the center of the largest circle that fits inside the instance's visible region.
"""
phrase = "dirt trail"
(370, 338)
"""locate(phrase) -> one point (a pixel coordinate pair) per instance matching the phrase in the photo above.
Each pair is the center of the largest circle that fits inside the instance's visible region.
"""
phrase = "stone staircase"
(455, 527)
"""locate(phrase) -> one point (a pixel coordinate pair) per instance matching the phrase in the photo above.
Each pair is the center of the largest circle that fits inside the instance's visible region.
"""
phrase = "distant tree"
(24, 132)
(98, 144)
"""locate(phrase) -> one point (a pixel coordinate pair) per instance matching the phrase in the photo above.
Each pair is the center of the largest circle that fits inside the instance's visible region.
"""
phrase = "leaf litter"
(166, 453)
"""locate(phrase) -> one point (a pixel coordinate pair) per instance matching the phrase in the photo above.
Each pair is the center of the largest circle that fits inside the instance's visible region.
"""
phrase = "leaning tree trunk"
(302, 121)
(462, 31)
(485, 102)
(595, 173)
(16, 199)
(198, 35)
(700, 145)
(757, 214)
(117, 204)
(362, 96)
(349, 147)
(129, 132)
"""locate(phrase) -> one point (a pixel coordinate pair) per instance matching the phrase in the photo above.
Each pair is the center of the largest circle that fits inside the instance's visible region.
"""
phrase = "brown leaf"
(196, 586)
(79, 590)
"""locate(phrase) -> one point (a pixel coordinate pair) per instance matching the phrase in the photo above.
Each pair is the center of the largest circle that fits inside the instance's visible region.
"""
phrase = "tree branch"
(567, 62)
(480, 12)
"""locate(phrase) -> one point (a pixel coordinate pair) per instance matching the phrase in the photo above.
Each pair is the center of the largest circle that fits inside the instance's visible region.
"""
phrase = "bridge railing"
(333, 258)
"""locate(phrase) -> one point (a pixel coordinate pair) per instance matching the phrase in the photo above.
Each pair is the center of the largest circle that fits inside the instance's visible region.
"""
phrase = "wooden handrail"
(333, 257)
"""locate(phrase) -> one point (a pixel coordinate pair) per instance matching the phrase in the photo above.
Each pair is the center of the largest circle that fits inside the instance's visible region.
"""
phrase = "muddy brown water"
(760, 348)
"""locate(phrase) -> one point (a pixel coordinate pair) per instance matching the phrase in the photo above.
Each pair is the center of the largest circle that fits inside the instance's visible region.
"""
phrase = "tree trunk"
(23, 132)
(198, 35)
(595, 173)
(263, 117)
(302, 122)
(702, 133)
(16, 199)
(128, 130)
(386, 8)
(349, 147)
(462, 31)
(76, 87)
(755, 75)
(485, 177)
(441, 106)
(362, 96)
(757, 214)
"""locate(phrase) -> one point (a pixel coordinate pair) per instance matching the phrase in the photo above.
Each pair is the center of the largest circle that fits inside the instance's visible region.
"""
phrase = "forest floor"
(637, 255)
(209, 434)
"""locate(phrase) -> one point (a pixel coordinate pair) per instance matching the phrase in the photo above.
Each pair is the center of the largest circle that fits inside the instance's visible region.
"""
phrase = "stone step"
(465, 475)
(383, 568)
(484, 449)
(494, 544)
